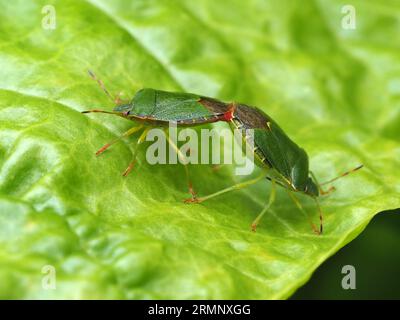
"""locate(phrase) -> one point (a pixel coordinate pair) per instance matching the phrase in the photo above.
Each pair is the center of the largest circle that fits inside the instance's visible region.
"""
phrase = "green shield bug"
(283, 162)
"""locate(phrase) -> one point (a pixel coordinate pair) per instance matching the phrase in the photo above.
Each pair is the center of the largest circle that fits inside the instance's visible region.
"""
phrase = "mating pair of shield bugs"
(282, 161)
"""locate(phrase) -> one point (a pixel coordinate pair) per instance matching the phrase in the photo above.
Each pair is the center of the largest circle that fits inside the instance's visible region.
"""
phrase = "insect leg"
(265, 209)
(185, 165)
(321, 228)
(298, 204)
(232, 188)
(323, 192)
(124, 135)
(139, 142)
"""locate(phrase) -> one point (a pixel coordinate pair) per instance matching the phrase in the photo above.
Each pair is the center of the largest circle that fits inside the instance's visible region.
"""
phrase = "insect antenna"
(101, 84)
(342, 175)
(101, 111)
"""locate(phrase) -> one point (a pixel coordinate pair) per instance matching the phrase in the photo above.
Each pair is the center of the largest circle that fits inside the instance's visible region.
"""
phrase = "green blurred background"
(375, 255)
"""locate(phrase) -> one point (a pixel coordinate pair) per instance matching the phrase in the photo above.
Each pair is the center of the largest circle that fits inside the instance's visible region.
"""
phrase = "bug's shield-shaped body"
(275, 150)
(183, 109)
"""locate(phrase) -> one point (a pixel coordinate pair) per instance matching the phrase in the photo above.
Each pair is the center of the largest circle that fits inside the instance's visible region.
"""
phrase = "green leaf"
(336, 92)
